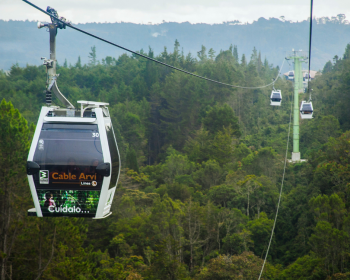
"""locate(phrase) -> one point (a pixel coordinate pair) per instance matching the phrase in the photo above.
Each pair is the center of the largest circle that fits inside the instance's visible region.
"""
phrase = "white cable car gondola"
(306, 110)
(73, 164)
(276, 98)
(291, 76)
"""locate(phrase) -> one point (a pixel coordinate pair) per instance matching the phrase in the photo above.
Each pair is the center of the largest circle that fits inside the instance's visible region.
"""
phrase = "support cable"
(310, 37)
(280, 195)
(65, 23)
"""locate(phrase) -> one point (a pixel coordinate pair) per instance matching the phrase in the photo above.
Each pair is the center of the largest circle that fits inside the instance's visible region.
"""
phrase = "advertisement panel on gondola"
(71, 203)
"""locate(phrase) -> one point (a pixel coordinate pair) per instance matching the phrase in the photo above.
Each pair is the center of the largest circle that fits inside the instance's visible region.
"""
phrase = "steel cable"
(310, 37)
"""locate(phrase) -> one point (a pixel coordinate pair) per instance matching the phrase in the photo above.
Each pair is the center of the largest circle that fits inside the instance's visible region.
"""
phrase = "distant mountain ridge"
(21, 42)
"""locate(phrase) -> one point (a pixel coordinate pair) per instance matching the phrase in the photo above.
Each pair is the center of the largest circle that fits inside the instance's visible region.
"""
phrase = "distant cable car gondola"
(73, 164)
(291, 75)
(306, 110)
(276, 98)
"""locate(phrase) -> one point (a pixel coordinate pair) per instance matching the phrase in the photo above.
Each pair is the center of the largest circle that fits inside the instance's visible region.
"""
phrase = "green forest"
(202, 167)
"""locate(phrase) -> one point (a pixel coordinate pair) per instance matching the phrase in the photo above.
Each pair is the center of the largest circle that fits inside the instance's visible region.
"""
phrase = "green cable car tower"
(298, 58)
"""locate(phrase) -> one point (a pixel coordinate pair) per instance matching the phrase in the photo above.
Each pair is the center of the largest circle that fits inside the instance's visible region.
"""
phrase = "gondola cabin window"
(68, 183)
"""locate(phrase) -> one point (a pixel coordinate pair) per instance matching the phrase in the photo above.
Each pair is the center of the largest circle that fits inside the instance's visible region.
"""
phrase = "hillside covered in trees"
(22, 42)
(202, 167)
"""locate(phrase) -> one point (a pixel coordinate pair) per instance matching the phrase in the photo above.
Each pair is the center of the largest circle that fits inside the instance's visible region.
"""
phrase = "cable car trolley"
(276, 98)
(73, 164)
(306, 110)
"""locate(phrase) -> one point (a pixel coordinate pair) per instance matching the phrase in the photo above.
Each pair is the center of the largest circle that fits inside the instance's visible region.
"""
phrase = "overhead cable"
(310, 37)
(144, 56)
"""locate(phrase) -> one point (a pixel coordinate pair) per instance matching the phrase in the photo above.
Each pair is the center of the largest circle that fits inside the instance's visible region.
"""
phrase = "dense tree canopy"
(201, 171)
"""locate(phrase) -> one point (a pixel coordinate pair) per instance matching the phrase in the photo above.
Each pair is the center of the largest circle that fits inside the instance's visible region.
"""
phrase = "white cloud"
(155, 11)
(155, 34)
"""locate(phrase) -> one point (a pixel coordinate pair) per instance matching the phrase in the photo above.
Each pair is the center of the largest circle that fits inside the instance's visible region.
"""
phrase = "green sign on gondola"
(70, 203)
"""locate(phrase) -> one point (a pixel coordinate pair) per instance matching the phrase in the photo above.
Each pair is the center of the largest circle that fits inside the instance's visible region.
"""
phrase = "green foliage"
(219, 117)
(261, 162)
(202, 170)
(260, 229)
(332, 172)
(235, 52)
(14, 193)
(327, 67)
(92, 56)
(221, 147)
(175, 165)
(222, 195)
(317, 132)
(246, 266)
(306, 268)
(329, 240)
(209, 175)
(131, 160)
(241, 151)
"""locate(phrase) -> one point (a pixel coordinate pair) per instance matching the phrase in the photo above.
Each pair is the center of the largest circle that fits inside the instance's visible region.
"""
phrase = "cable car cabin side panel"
(33, 146)
(115, 163)
(304, 116)
(114, 152)
(101, 213)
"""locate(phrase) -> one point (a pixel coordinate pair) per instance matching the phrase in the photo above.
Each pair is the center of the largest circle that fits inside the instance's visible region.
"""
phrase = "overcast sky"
(155, 11)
